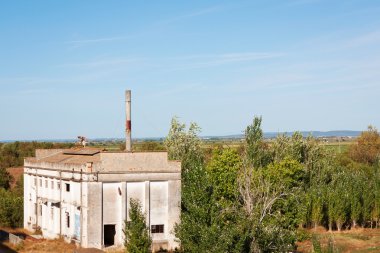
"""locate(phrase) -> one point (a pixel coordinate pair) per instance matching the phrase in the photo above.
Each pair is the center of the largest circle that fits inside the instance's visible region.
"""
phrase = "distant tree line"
(13, 154)
(257, 197)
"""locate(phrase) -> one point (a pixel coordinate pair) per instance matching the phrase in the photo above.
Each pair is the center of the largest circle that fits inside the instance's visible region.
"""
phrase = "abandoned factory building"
(83, 194)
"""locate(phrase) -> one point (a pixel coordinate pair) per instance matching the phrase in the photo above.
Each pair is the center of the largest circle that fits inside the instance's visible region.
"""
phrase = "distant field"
(338, 147)
(155, 145)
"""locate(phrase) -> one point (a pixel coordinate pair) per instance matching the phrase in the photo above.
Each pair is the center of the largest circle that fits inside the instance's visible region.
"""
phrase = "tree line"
(257, 197)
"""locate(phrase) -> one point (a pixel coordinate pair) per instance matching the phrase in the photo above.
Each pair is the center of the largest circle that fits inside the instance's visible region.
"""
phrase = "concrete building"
(83, 194)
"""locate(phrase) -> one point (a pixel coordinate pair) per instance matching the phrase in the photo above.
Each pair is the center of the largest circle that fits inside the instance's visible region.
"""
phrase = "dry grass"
(42, 246)
(351, 241)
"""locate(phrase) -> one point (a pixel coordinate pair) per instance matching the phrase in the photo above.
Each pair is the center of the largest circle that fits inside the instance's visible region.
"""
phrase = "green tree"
(185, 145)
(137, 237)
(11, 209)
(257, 153)
(262, 192)
(223, 169)
(181, 143)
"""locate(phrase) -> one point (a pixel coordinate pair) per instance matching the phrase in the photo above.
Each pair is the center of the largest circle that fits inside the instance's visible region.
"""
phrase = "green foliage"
(137, 237)
(317, 248)
(223, 169)
(196, 191)
(181, 143)
(11, 209)
(329, 248)
(256, 199)
(257, 154)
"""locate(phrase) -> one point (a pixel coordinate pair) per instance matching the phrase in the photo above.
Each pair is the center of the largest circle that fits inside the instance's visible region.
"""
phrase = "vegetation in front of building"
(136, 231)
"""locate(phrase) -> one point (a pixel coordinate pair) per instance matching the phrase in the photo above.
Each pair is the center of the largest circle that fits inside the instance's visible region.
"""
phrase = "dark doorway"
(109, 235)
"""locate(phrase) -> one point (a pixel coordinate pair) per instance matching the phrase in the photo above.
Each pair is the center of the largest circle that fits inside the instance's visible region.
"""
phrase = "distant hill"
(268, 135)
(317, 134)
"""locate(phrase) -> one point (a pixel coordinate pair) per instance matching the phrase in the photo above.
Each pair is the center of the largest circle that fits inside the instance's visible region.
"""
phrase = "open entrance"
(109, 235)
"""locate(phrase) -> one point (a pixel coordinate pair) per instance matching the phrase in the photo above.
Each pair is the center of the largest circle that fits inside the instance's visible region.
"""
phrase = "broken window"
(157, 229)
(109, 235)
(58, 185)
(67, 220)
(67, 187)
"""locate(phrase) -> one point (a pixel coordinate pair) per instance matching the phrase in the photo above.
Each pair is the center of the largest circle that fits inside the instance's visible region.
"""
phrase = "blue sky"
(301, 64)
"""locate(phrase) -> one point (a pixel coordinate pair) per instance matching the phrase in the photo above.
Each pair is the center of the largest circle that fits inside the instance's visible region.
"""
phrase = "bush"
(11, 209)
(137, 237)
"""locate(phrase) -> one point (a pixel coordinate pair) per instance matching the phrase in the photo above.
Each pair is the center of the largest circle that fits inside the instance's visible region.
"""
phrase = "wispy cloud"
(303, 2)
(196, 13)
(214, 60)
(83, 42)
(74, 44)
(94, 40)
(363, 39)
(102, 63)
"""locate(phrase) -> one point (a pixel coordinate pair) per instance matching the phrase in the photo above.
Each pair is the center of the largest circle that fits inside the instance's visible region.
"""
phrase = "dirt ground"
(16, 173)
(350, 241)
(32, 245)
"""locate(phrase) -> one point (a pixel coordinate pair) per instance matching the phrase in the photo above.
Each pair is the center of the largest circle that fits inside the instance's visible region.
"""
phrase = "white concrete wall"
(112, 200)
(159, 208)
(93, 218)
(136, 190)
(174, 210)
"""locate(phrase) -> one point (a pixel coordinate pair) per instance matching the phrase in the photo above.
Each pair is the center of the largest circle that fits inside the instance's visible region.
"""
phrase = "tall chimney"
(128, 124)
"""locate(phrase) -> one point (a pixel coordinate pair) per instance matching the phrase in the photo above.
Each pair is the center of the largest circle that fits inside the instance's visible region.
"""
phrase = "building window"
(58, 185)
(67, 187)
(157, 229)
(35, 181)
(35, 208)
(40, 182)
(46, 183)
(40, 207)
(52, 184)
(67, 220)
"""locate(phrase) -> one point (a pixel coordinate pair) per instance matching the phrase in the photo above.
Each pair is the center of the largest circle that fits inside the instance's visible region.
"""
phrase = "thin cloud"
(101, 63)
(364, 39)
(94, 40)
(83, 42)
(196, 13)
(303, 2)
(205, 61)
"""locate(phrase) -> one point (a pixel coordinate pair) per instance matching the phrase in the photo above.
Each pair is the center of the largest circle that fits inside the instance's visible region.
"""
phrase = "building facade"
(83, 195)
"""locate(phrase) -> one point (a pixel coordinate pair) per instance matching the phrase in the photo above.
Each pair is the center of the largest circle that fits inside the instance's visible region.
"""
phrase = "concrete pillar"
(147, 202)
(128, 123)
